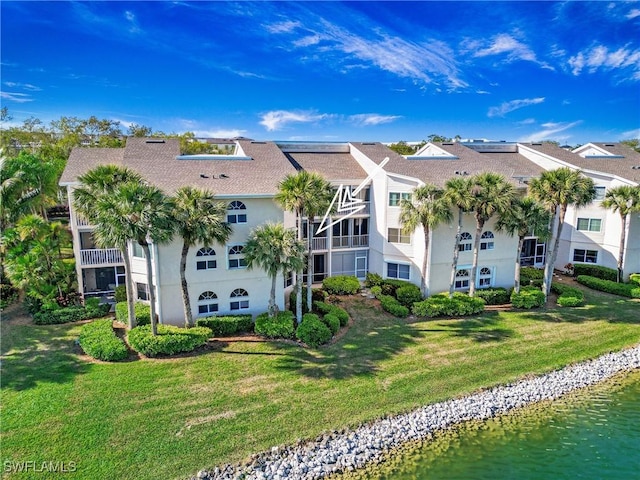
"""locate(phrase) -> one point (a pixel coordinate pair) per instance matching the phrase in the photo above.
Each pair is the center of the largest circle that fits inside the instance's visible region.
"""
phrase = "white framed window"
(398, 235)
(142, 291)
(239, 299)
(207, 303)
(485, 278)
(486, 241)
(237, 212)
(600, 192)
(236, 257)
(398, 270)
(462, 279)
(590, 224)
(465, 244)
(585, 256)
(396, 197)
(205, 259)
(136, 250)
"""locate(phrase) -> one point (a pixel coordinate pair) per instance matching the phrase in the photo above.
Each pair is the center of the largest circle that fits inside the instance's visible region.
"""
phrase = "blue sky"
(362, 71)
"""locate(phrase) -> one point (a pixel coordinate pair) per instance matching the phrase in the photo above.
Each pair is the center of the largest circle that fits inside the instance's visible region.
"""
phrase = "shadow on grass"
(481, 328)
(37, 354)
(373, 337)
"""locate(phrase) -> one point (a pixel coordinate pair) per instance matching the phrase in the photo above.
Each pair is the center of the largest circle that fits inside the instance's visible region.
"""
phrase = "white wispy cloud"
(277, 119)
(369, 119)
(283, 27)
(633, 13)
(504, 45)
(631, 133)
(133, 23)
(220, 133)
(599, 57)
(550, 132)
(24, 86)
(526, 121)
(483, 92)
(506, 107)
(16, 97)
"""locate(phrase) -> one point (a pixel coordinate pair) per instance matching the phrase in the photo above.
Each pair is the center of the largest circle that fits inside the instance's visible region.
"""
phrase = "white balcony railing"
(349, 241)
(102, 256)
(364, 211)
(82, 222)
(319, 243)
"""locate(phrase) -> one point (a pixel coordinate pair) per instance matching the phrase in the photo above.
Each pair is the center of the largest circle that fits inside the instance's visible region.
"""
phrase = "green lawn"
(168, 418)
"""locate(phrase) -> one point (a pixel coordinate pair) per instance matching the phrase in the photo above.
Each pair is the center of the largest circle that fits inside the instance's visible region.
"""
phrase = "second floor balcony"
(100, 256)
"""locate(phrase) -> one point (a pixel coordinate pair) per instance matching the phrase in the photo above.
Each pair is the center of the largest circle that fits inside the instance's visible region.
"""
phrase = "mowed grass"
(168, 418)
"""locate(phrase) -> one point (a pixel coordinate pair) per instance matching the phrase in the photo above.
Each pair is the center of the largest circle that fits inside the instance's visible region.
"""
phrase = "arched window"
(486, 241)
(236, 257)
(462, 279)
(206, 260)
(465, 242)
(484, 279)
(207, 303)
(237, 213)
(239, 299)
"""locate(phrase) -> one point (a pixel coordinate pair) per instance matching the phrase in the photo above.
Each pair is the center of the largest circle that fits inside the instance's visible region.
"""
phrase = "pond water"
(591, 434)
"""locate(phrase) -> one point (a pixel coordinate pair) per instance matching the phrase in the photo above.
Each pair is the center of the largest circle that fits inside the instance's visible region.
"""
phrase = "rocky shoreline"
(348, 450)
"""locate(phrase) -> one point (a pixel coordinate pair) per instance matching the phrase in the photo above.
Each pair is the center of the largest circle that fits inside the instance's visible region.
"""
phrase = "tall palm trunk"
(299, 274)
(273, 307)
(476, 249)
(456, 254)
(516, 279)
(551, 256)
(152, 293)
(425, 261)
(309, 263)
(188, 316)
(623, 237)
(131, 299)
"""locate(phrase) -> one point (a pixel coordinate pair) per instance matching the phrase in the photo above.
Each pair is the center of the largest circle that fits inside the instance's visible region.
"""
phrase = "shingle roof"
(622, 167)
(81, 160)
(336, 167)
(437, 171)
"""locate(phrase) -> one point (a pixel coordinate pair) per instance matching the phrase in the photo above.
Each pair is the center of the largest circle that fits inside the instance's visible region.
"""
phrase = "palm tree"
(274, 249)
(305, 194)
(458, 193)
(492, 194)
(147, 216)
(556, 190)
(524, 217)
(427, 208)
(91, 201)
(199, 218)
(624, 200)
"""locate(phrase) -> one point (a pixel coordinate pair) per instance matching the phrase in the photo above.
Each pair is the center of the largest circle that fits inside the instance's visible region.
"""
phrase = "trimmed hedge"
(332, 322)
(391, 305)
(327, 308)
(373, 280)
(390, 286)
(120, 294)
(531, 277)
(71, 314)
(341, 285)
(280, 326)
(323, 307)
(441, 305)
(635, 278)
(407, 295)
(98, 340)
(312, 331)
(568, 296)
(597, 271)
(143, 313)
(630, 290)
(529, 297)
(169, 341)
(317, 295)
(494, 296)
(227, 325)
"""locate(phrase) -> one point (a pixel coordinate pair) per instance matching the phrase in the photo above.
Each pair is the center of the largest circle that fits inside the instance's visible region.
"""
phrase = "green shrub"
(630, 290)
(312, 331)
(323, 307)
(98, 340)
(169, 341)
(568, 296)
(391, 285)
(407, 295)
(529, 297)
(70, 314)
(635, 278)
(438, 305)
(376, 290)
(391, 305)
(597, 271)
(531, 277)
(120, 294)
(227, 325)
(317, 295)
(280, 326)
(341, 313)
(143, 313)
(373, 280)
(332, 322)
(341, 285)
(494, 296)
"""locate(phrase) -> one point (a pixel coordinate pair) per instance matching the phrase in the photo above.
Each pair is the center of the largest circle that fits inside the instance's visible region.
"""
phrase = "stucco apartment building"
(372, 240)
